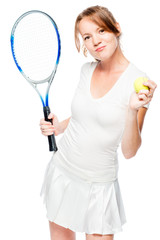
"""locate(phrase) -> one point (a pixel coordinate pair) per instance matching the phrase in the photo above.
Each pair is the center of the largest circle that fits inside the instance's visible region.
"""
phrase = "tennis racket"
(36, 48)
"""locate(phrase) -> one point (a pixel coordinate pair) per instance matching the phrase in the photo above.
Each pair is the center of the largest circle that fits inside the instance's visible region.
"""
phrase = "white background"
(24, 151)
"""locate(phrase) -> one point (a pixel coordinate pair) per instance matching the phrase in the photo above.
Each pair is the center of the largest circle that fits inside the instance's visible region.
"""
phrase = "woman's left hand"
(138, 100)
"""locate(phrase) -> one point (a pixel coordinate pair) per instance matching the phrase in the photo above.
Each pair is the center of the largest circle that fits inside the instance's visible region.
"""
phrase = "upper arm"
(141, 115)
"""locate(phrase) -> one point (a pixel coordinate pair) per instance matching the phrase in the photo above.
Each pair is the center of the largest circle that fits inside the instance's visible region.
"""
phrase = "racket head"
(36, 46)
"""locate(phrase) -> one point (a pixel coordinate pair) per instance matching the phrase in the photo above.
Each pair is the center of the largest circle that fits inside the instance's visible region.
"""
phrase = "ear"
(84, 49)
(119, 29)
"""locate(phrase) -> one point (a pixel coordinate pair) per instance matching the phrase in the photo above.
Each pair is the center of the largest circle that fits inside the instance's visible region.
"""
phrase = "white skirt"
(81, 206)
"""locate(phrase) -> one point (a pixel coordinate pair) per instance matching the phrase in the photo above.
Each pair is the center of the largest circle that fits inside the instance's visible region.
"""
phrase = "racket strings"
(36, 46)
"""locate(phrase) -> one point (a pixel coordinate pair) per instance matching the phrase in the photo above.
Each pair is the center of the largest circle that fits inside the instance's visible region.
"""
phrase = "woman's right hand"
(48, 128)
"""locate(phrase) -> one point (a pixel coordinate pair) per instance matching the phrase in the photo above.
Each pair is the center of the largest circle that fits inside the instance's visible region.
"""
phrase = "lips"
(100, 49)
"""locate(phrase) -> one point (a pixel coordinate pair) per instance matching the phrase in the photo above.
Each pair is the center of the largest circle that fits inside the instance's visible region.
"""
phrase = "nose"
(96, 40)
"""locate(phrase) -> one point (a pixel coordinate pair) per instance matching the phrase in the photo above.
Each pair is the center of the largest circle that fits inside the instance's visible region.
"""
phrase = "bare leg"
(99, 237)
(58, 232)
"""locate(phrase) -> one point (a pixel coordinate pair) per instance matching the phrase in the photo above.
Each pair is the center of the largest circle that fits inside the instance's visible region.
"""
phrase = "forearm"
(131, 140)
(64, 124)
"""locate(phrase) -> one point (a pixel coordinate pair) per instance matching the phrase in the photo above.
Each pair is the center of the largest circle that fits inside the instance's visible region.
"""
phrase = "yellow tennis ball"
(138, 84)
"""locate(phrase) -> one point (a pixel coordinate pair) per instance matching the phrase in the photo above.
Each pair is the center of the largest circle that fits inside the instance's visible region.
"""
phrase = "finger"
(43, 122)
(152, 85)
(47, 132)
(144, 100)
(46, 127)
(51, 115)
(144, 91)
(142, 97)
(148, 93)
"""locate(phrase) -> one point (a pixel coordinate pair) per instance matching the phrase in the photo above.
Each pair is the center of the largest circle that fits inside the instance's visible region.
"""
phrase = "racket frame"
(49, 80)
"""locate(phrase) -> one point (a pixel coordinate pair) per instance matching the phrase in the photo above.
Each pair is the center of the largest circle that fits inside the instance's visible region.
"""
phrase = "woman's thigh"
(99, 237)
(58, 232)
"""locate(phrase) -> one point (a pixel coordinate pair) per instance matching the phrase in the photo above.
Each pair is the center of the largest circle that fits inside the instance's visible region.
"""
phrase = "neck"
(115, 62)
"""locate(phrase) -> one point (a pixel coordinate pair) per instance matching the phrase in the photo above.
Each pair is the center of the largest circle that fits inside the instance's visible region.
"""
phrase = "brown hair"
(101, 16)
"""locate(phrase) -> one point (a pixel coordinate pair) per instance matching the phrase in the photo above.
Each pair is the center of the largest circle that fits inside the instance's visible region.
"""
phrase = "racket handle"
(51, 139)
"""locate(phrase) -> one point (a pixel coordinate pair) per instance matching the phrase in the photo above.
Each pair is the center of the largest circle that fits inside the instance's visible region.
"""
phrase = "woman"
(81, 187)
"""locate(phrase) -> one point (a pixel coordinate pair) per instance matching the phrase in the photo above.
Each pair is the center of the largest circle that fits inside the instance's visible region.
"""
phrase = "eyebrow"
(90, 33)
(85, 34)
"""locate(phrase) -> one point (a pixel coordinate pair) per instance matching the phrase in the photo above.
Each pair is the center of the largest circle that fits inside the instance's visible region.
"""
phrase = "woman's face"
(100, 43)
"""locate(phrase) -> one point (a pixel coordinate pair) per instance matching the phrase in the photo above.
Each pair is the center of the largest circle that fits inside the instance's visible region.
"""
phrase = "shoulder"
(87, 67)
(85, 72)
(134, 72)
(131, 74)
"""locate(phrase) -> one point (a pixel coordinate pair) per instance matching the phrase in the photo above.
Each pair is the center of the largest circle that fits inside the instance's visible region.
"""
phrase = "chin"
(103, 59)
(102, 56)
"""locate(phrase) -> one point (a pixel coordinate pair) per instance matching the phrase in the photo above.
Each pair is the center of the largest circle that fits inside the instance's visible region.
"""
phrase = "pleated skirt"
(89, 207)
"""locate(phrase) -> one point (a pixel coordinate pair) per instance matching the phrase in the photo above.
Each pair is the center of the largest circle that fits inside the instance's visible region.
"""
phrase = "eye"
(101, 30)
(86, 38)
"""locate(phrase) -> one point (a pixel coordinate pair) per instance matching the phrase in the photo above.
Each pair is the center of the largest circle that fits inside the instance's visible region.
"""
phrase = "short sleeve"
(84, 76)
(130, 78)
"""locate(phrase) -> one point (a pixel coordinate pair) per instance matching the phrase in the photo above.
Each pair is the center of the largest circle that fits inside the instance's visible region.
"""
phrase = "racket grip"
(51, 139)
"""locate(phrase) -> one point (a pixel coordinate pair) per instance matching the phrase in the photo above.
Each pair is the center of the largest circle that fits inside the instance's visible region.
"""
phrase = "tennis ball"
(138, 84)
